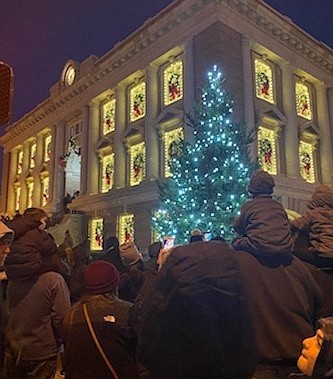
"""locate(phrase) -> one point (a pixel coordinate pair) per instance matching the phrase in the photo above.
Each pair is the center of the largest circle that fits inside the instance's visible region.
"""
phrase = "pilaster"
(92, 174)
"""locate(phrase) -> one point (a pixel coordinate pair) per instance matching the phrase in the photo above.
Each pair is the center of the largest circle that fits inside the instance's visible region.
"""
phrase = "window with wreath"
(138, 101)
(107, 168)
(172, 147)
(30, 193)
(47, 147)
(306, 159)
(303, 102)
(45, 190)
(264, 80)
(109, 116)
(33, 148)
(17, 197)
(19, 162)
(96, 234)
(173, 82)
(137, 163)
(126, 228)
(267, 150)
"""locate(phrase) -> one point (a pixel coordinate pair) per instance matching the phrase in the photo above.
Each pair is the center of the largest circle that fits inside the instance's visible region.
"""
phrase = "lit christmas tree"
(210, 177)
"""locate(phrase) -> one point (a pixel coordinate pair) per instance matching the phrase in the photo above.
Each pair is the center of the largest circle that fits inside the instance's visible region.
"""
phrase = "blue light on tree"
(209, 177)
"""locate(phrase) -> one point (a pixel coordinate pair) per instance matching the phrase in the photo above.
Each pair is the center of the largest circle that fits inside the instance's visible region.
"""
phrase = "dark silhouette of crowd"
(260, 307)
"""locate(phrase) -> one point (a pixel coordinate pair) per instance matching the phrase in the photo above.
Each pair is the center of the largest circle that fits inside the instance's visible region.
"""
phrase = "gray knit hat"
(261, 183)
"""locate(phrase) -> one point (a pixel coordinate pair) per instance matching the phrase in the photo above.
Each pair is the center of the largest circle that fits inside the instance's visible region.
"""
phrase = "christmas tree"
(209, 177)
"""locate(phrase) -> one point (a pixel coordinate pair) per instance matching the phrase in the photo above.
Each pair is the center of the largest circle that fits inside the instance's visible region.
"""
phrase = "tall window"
(19, 162)
(96, 234)
(138, 101)
(107, 168)
(306, 159)
(47, 148)
(172, 140)
(303, 103)
(17, 191)
(264, 80)
(173, 82)
(267, 150)
(33, 147)
(45, 190)
(30, 192)
(126, 228)
(137, 163)
(109, 116)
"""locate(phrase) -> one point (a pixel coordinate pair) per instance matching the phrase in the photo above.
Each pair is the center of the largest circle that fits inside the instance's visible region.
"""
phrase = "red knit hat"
(100, 277)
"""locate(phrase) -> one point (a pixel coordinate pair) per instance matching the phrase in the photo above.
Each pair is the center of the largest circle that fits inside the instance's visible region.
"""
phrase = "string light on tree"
(209, 178)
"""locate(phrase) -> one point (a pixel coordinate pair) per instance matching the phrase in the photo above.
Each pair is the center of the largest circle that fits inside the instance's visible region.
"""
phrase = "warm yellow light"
(47, 148)
(173, 82)
(32, 154)
(138, 102)
(19, 161)
(137, 163)
(126, 231)
(303, 103)
(17, 191)
(30, 190)
(306, 159)
(45, 190)
(107, 172)
(96, 234)
(171, 146)
(109, 116)
(264, 80)
(267, 150)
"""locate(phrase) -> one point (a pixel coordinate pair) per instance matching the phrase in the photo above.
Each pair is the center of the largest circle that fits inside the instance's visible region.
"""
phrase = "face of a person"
(42, 225)
(309, 354)
(4, 250)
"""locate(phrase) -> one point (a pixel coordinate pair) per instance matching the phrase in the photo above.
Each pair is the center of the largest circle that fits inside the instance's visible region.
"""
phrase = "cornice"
(255, 12)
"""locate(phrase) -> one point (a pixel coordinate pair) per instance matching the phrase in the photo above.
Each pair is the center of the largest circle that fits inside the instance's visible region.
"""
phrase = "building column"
(325, 133)
(249, 105)
(84, 150)
(59, 170)
(39, 158)
(291, 139)
(25, 169)
(51, 164)
(92, 162)
(120, 171)
(151, 137)
(9, 173)
(189, 86)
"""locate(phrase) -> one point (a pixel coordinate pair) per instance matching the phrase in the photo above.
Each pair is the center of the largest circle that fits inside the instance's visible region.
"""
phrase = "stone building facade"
(101, 138)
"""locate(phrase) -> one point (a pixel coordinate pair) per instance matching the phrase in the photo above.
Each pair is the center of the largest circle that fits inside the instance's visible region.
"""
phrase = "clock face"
(70, 75)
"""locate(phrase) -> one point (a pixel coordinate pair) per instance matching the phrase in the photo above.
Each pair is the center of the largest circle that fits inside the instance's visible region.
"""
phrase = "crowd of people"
(257, 308)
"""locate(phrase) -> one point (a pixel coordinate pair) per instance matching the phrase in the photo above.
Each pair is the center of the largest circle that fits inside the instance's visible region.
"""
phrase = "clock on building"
(70, 75)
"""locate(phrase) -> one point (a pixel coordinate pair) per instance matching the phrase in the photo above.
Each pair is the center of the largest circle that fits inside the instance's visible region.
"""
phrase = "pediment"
(272, 114)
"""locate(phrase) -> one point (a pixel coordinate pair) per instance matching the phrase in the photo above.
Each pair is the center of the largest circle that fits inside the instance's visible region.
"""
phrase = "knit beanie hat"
(261, 183)
(129, 254)
(100, 277)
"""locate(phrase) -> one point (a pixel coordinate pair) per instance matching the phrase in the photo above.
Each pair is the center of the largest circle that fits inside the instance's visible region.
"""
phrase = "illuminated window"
(306, 158)
(19, 162)
(303, 104)
(267, 150)
(138, 102)
(107, 172)
(137, 163)
(30, 192)
(47, 148)
(109, 116)
(172, 147)
(126, 228)
(32, 155)
(17, 191)
(173, 82)
(45, 190)
(264, 80)
(96, 234)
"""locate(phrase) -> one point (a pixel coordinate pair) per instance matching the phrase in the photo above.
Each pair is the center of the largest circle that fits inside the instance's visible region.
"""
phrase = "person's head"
(101, 277)
(129, 254)
(322, 197)
(317, 354)
(6, 239)
(261, 183)
(154, 250)
(112, 245)
(196, 235)
(37, 214)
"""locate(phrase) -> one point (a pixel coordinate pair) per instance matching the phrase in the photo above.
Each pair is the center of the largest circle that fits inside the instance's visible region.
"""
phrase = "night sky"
(37, 37)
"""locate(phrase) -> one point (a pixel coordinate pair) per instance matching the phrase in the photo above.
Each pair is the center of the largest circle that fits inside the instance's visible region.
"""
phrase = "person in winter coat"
(317, 222)
(108, 316)
(194, 317)
(76, 279)
(111, 253)
(263, 224)
(316, 359)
